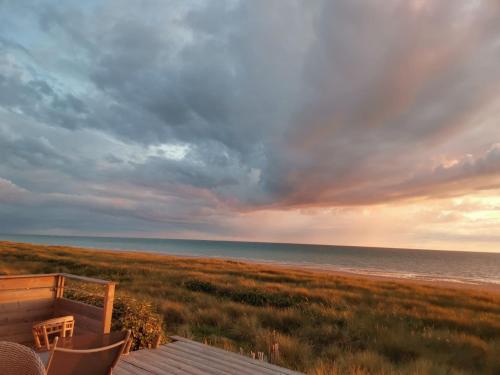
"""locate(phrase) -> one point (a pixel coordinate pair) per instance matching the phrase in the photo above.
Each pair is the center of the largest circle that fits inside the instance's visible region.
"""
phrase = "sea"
(450, 266)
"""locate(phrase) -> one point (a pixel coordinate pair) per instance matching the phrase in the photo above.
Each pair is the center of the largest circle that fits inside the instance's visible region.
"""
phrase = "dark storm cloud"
(186, 112)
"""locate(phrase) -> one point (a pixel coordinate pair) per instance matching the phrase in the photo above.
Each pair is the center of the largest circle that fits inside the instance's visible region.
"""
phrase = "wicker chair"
(62, 327)
(16, 359)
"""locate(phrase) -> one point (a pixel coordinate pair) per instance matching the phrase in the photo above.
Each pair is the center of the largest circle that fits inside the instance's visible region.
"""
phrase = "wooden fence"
(26, 299)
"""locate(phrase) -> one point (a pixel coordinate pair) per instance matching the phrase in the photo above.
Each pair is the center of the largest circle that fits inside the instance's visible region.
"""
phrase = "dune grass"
(327, 324)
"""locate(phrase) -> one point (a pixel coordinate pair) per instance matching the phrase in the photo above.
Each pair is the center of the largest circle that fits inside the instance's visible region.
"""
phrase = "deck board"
(216, 361)
(127, 369)
(187, 357)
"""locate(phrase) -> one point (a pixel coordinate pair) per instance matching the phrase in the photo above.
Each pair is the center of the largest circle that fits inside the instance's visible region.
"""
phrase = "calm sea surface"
(454, 266)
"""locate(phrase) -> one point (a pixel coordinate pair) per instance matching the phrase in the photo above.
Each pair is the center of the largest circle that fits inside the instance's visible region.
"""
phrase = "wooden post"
(157, 342)
(60, 286)
(107, 310)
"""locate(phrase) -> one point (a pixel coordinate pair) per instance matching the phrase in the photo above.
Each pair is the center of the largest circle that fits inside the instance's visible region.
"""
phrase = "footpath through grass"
(326, 324)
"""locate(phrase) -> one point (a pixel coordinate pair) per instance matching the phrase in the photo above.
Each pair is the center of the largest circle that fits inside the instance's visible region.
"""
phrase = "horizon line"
(255, 242)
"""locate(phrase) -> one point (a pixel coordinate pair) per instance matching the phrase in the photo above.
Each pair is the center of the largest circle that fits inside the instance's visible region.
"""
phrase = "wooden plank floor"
(189, 357)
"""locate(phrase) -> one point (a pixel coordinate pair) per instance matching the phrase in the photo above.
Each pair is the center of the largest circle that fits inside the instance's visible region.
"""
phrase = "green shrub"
(200, 286)
(138, 316)
(253, 297)
(129, 313)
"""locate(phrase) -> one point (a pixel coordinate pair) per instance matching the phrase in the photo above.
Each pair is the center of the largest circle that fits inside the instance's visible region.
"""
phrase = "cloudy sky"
(342, 122)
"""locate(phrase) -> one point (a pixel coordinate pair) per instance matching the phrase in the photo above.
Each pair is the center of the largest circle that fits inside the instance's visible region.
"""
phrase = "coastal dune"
(326, 322)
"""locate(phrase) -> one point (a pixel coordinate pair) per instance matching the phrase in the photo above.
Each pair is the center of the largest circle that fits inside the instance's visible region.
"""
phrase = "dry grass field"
(327, 324)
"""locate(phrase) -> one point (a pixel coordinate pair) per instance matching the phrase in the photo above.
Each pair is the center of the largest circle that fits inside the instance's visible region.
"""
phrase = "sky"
(372, 123)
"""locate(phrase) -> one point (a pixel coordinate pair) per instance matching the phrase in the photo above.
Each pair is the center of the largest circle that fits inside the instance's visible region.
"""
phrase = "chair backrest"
(96, 361)
(18, 359)
(62, 327)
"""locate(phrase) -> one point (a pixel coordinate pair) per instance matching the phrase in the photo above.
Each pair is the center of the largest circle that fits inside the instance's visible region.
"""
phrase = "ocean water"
(454, 266)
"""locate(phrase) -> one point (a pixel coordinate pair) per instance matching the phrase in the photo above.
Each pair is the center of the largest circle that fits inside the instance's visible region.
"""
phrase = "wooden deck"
(26, 299)
(185, 356)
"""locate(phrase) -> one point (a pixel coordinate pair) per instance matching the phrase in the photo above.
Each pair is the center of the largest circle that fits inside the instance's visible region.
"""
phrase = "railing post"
(108, 307)
(60, 286)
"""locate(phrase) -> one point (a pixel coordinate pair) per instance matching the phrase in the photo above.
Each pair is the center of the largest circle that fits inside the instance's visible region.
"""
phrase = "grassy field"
(327, 324)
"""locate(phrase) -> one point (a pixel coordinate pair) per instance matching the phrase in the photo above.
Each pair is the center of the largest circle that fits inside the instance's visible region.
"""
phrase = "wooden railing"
(25, 299)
